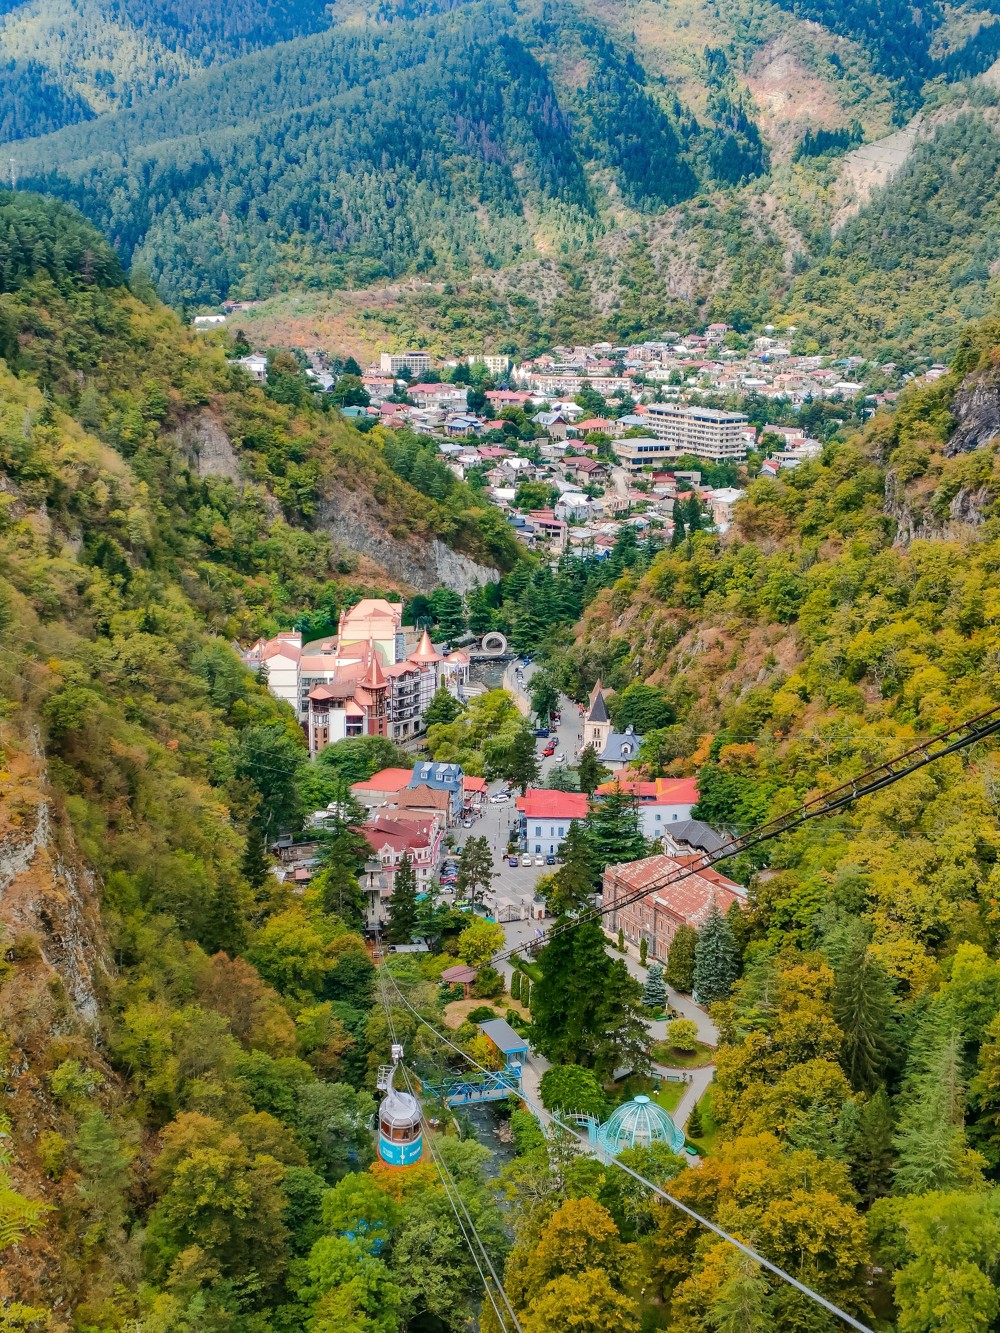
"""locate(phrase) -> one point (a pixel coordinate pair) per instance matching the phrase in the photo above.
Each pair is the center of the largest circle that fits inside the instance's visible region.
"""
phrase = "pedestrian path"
(694, 1090)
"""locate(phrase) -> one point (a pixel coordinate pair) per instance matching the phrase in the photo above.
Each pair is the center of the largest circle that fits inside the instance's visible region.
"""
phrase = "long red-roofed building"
(656, 917)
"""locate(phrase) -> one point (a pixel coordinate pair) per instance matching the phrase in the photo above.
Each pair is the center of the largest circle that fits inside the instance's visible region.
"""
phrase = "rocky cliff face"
(47, 896)
(977, 412)
(354, 524)
(917, 520)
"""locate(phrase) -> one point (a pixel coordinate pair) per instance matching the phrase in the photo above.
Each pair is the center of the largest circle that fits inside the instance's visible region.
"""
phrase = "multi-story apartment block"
(701, 431)
(391, 363)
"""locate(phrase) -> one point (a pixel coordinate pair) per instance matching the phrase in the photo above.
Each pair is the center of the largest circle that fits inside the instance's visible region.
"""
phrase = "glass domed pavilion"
(637, 1124)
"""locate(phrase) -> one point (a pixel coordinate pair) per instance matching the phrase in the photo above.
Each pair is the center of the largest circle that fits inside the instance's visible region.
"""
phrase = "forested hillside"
(486, 138)
(184, 1046)
(71, 59)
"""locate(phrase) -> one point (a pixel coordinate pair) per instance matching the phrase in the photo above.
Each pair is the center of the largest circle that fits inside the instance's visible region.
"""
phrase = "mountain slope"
(89, 56)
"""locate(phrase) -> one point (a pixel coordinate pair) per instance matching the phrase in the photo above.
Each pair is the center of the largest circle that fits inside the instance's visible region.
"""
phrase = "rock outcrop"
(353, 525)
(976, 410)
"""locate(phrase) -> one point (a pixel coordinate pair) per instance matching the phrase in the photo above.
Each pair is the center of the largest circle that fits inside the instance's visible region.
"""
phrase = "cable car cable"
(447, 1180)
(866, 784)
(656, 1189)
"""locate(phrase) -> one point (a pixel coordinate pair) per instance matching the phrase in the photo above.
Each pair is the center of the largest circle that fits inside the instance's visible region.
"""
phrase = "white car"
(560, 759)
(539, 860)
(499, 797)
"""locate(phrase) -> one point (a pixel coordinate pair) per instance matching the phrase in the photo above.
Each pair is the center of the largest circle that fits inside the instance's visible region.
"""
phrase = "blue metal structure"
(636, 1124)
(476, 1088)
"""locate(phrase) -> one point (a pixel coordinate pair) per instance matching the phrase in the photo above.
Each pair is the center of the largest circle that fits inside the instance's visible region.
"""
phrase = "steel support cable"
(656, 1189)
(447, 1180)
(866, 784)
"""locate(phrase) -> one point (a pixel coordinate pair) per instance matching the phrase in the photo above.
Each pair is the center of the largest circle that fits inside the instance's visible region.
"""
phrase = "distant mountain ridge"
(295, 147)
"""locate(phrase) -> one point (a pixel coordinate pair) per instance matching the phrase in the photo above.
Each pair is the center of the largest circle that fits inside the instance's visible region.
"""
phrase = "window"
(538, 846)
(657, 818)
(538, 830)
(675, 816)
(561, 830)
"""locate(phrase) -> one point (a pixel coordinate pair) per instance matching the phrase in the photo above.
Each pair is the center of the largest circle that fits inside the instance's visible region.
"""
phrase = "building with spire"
(616, 750)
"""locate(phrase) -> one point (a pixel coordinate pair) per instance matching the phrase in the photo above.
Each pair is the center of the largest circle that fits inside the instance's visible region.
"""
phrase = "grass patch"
(664, 1093)
(664, 1054)
(708, 1140)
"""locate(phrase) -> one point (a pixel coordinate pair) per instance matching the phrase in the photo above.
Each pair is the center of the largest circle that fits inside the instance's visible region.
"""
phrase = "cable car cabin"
(400, 1137)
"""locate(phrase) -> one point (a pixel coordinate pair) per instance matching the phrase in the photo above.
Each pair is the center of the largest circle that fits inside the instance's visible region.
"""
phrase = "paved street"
(518, 884)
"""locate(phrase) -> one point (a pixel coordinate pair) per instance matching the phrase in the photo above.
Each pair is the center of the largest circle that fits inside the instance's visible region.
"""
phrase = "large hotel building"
(675, 432)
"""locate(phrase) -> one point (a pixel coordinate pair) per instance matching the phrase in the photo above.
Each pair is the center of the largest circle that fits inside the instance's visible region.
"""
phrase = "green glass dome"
(637, 1124)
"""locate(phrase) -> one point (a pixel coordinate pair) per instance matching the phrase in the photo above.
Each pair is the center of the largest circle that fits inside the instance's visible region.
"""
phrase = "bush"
(515, 985)
(682, 1035)
(527, 1132)
(71, 1082)
(482, 1014)
(488, 983)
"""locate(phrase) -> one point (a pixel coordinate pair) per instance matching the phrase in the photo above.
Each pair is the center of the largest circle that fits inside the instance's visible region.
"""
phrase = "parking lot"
(498, 819)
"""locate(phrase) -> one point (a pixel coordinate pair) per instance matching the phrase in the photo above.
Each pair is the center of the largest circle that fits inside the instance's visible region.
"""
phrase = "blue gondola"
(400, 1136)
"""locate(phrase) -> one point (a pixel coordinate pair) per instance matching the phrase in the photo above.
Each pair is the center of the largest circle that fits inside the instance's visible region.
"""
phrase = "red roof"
(541, 803)
(387, 779)
(661, 791)
(470, 783)
(691, 899)
(594, 423)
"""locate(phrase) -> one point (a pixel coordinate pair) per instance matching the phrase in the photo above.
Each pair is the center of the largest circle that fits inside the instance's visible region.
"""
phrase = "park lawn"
(664, 1093)
(664, 1054)
(457, 1011)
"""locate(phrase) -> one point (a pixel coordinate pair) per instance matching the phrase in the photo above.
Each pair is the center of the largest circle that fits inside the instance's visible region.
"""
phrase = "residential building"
(656, 917)
(547, 525)
(382, 788)
(417, 363)
(701, 431)
(721, 502)
(392, 838)
(442, 778)
(255, 366)
(496, 365)
(546, 817)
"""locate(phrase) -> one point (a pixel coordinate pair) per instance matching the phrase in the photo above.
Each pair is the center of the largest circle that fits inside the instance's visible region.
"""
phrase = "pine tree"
(930, 1136)
(475, 870)
(575, 880)
(526, 992)
(515, 984)
(695, 1128)
(680, 959)
(614, 830)
(654, 992)
(863, 1008)
(591, 771)
(870, 1152)
(402, 904)
(621, 940)
(716, 959)
(643, 951)
(340, 894)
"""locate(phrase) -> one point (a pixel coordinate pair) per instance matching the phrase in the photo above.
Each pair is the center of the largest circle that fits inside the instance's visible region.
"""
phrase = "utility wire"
(661, 1193)
(448, 1183)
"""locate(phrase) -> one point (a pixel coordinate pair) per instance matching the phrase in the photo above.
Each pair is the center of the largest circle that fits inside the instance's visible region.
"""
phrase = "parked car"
(466, 823)
(512, 861)
(541, 731)
(548, 752)
(539, 860)
(550, 860)
(500, 796)
(560, 759)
